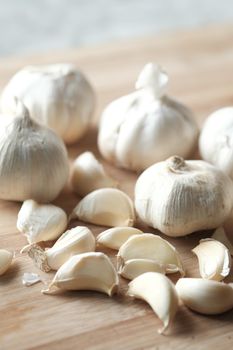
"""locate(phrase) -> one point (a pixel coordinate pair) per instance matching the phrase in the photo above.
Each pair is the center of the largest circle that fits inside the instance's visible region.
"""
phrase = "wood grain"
(200, 66)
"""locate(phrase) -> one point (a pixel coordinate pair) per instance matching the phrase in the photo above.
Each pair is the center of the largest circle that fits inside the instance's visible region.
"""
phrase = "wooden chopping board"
(200, 66)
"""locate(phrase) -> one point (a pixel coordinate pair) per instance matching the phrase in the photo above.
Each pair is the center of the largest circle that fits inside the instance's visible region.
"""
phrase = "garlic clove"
(214, 259)
(136, 267)
(152, 247)
(114, 237)
(41, 222)
(88, 175)
(106, 207)
(75, 241)
(205, 296)
(6, 258)
(220, 235)
(159, 292)
(87, 271)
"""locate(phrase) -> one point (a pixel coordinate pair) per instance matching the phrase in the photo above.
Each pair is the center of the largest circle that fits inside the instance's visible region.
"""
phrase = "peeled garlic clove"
(152, 247)
(180, 196)
(88, 175)
(87, 271)
(114, 237)
(34, 162)
(6, 258)
(75, 241)
(214, 259)
(106, 207)
(159, 292)
(136, 267)
(58, 96)
(220, 235)
(41, 222)
(205, 296)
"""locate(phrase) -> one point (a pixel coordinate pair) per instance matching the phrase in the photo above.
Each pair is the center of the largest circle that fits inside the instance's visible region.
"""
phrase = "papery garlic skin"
(220, 235)
(214, 259)
(58, 96)
(152, 247)
(41, 222)
(106, 207)
(136, 267)
(115, 237)
(205, 296)
(146, 126)
(180, 197)
(33, 159)
(87, 271)
(88, 174)
(216, 140)
(6, 258)
(159, 292)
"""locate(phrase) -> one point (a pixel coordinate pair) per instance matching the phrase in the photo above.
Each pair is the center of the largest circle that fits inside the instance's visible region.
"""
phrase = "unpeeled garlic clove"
(114, 237)
(41, 222)
(87, 271)
(153, 247)
(6, 258)
(106, 207)
(220, 235)
(214, 259)
(205, 296)
(136, 267)
(75, 241)
(159, 292)
(88, 175)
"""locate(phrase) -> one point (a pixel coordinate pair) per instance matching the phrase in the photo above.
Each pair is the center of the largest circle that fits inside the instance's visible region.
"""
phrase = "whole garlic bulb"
(146, 126)
(180, 197)
(216, 140)
(58, 96)
(33, 159)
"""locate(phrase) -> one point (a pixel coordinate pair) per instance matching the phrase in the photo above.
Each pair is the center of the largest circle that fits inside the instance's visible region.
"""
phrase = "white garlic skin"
(216, 140)
(58, 96)
(146, 126)
(33, 160)
(6, 258)
(180, 197)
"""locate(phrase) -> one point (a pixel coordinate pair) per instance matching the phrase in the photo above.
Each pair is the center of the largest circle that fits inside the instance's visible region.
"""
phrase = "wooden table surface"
(200, 66)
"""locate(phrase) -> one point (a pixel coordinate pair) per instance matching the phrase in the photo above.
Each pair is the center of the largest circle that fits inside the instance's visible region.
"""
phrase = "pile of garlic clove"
(174, 195)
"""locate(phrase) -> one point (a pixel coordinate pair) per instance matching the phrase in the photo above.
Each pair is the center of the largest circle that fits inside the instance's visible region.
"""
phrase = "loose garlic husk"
(159, 292)
(214, 259)
(106, 207)
(220, 235)
(33, 159)
(75, 241)
(205, 296)
(87, 271)
(114, 237)
(152, 247)
(6, 258)
(179, 197)
(58, 96)
(41, 222)
(146, 126)
(216, 140)
(136, 267)
(88, 174)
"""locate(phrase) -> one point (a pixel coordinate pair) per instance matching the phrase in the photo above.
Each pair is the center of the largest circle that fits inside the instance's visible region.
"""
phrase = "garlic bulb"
(205, 296)
(179, 197)
(216, 140)
(6, 258)
(58, 96)
(146, 126)
(33, 160)
(89, 175)
(41, 222)
(75, 241)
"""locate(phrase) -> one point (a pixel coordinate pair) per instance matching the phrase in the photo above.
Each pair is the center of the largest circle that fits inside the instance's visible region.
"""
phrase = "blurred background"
(33, 26)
